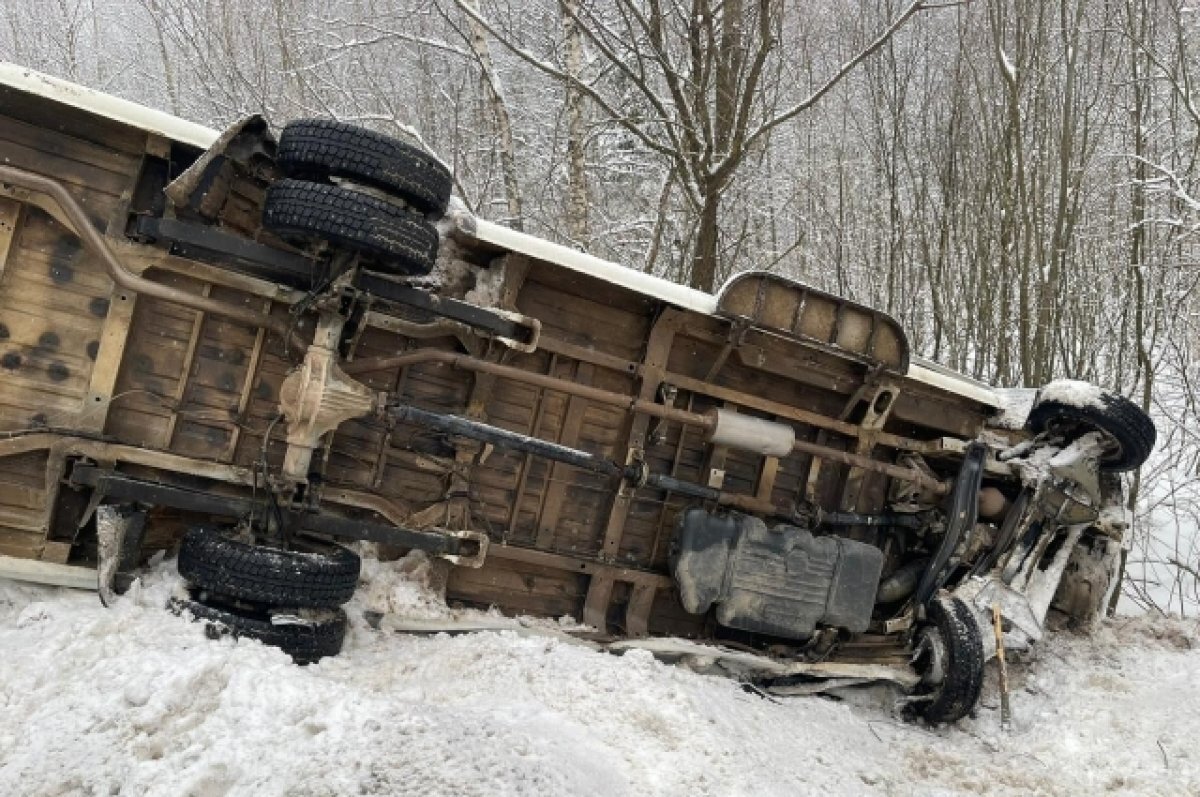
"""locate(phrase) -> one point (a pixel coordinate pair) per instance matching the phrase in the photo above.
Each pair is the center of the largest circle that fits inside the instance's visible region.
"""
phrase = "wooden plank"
(114, 335)
(189, 356)
(658, 348)
(556, 492)
(10, 214)
(579, 565)
(637, 611)
(75, 123)
(523, 470)
(57, 144)
(244, 401)
(99, 186)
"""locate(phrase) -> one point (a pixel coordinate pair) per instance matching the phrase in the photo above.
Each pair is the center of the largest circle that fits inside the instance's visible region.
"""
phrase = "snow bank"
(133, 700)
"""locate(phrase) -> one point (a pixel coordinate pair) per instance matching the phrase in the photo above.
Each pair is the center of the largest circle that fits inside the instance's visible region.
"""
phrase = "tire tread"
(957, 695)
(306, 644)
(401, 242)
(320, 148)
(211, 560)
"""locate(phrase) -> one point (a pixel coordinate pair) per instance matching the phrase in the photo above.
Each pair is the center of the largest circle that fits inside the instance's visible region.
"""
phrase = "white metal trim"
(106, 105)
(933, 374)
(583, 263)
(50, 573)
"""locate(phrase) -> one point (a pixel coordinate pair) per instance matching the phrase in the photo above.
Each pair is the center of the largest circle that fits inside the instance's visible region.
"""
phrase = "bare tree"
(688, 84)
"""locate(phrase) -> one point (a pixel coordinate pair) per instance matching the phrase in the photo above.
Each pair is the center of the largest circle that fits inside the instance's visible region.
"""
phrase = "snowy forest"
(1017, 181)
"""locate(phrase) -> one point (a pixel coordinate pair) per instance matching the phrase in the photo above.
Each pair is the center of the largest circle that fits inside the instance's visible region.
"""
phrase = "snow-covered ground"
(134, 701)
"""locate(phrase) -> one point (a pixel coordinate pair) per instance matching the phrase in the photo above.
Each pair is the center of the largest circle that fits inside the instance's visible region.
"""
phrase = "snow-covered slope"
(132, 701)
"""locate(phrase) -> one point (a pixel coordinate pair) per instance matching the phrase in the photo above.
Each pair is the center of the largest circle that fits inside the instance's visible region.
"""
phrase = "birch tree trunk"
(500, 114)
(577, 183)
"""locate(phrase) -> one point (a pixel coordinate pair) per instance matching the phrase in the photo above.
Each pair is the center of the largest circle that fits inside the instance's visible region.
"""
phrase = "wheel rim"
(930, 658)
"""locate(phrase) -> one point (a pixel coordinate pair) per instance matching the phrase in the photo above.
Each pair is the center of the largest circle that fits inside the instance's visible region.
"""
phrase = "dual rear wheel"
(289, 598)
(360, 191)
(376, 197)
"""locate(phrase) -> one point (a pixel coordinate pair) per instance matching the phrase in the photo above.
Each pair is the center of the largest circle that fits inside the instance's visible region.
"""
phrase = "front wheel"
(949, 657)
(1075, 408)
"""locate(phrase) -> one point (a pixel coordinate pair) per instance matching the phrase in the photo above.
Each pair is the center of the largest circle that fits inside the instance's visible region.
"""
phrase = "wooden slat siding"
(355, 459)
(651, 519)
(655, 518)
(152, 374)
(41, 243)
(60, 144)
(433, 386)
(23, 502)
(388, 468)
(18, 542)
(789, 479)
(621, 333)
(515, 406)
(70, 160)
(200, 440)
(394, 384)
(98, 190)
(667, 616)
(77, 338)
(272, 370)
(405, 479)
(70, 123)
(641, 604)
(633, 429)
(185, 367)
(10, 218)
(27, 469)
(560, 474)
(518, 588)
(46, 291)
(21, 497)
(525, 464)
(27, 406)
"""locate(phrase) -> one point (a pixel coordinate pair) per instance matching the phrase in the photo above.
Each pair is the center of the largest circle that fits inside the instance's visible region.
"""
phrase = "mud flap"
(120, 531)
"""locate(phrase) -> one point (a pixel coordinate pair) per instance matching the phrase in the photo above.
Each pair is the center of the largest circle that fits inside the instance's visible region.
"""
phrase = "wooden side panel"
(53, 296)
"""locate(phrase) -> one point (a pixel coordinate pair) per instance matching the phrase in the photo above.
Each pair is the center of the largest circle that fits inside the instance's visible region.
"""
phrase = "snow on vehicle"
(263, 346)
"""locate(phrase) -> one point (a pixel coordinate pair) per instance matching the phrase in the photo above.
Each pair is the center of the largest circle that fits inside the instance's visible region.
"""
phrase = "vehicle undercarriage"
(258, 346)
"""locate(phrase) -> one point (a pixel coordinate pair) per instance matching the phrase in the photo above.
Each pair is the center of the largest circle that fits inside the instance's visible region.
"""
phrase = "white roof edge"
(115, 108)
(583, 263)
(937, 375)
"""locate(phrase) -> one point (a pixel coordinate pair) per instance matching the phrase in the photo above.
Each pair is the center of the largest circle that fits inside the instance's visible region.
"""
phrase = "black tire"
(316, 149)
(303, 212)
(1130, 429)
(306, 639)
(953, 625)
(315, 575)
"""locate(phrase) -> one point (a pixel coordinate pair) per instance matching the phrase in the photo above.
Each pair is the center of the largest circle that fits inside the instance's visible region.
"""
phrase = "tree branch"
(846, 68)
